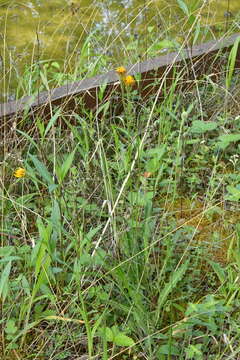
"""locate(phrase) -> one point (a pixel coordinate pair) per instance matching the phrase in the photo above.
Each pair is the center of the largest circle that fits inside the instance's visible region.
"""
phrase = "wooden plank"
(195, 61)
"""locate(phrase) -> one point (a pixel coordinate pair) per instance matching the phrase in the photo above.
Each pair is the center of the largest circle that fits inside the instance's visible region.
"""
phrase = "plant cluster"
(120, 229)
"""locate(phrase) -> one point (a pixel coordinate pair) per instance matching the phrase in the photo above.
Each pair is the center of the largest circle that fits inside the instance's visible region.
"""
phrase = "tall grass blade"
(183, 7)
(231, 62)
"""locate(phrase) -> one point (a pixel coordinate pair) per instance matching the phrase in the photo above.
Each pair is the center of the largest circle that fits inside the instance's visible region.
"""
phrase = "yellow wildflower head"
(19, 173)
(129, 80)
(121, 70)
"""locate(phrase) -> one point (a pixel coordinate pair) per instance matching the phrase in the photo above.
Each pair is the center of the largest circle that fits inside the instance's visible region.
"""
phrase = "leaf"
(234, 193)
(10, 327)
(117, 337)
(156, 152)
(62, 172)
(183, 7)
(168, 349)
(225, 140)
(140, 198)
(29, 138)
(86, 259)
(164, 44)
(9, 258)
(109, 334)
(201, 127)
(4, 280)
(41, 168)
(52, 121)
(123, 340)
(177, 275)
(152, 165)
(6, 250)
(218, 270)
(231, 62)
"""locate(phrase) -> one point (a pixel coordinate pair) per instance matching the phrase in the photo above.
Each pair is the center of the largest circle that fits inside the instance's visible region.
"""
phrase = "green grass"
(122, 241)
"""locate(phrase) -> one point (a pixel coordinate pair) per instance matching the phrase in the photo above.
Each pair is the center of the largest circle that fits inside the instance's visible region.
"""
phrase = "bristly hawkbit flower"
(121, 70)
(19, 173)
(129, 80)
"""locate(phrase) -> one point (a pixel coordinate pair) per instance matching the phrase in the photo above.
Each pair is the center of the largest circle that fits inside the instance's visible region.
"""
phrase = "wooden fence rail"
(200, 59)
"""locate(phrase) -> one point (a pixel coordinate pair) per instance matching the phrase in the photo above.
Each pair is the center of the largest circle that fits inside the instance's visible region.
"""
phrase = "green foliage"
(111, 242)
(200, 127)
(115, 336)
(225, 140)
(233, 193)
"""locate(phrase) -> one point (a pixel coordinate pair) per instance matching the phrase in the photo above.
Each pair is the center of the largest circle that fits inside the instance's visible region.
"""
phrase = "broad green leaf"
(117, 337)
(218, 270)
(176, 277)
(156, 152)
(7, 250)
(109, 334)
(56, 215)
(41, 168)
(140, 198)
(169, 349)
(9, 258)
(164, 44)
(152, 165)
(201, 127)
(225, 140)
(63, 170)
(43, 278)
(4, 280)
(229, 138)
(234, 193)
(123, 340)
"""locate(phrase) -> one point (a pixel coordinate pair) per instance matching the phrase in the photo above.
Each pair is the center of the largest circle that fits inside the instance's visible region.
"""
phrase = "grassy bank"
(120, 234)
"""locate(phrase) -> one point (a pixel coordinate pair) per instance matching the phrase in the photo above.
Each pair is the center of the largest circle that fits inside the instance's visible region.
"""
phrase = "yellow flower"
(19, 173)
(129, 80)
(121, 70)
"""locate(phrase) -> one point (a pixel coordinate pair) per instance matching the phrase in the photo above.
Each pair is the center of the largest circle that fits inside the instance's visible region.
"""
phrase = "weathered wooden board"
(196, 61)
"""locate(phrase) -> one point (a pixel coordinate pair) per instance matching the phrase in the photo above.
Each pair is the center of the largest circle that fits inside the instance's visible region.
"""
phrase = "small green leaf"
(10, 327)
(234, 193)
(109, 334)
(123, 340)
(55, 65)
